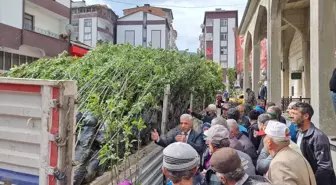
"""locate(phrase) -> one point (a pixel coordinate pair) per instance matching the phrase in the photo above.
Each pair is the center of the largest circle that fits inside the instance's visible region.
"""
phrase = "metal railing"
(286, 101)
(28, 26)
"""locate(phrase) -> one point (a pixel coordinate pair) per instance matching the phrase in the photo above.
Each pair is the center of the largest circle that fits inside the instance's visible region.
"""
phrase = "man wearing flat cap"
(228, 167)
(217, 137)
(180, 164)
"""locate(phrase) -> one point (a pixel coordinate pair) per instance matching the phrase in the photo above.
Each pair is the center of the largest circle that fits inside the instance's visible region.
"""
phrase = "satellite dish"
(69, 28)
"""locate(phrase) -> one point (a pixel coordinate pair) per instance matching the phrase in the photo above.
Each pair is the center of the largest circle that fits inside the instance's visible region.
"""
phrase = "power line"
(175, 6)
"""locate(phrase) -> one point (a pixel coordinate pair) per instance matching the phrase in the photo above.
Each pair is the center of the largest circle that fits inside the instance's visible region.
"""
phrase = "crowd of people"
(251, 144)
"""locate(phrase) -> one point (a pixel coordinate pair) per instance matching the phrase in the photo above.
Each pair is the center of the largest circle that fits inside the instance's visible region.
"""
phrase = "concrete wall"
(216, 41)
(11, 16)
(44, 21)
(295, 63)
(64, 2)
(231, 42)
(121, 33)
(93, 28)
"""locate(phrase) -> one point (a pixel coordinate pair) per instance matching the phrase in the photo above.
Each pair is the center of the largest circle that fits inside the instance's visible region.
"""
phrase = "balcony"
(50, 43)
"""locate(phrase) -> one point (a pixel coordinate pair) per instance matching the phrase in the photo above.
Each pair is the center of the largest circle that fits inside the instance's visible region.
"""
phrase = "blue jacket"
(293, 132)
(259, 109)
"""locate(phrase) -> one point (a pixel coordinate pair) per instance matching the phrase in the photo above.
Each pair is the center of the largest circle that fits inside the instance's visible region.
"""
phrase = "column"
(274, 54)
(285, 73)
(306, 60)
(246, 80)
(255, 67)
(322, 35)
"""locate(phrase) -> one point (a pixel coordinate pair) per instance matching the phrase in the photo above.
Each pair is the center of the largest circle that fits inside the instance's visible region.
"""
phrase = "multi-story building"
(92, 24)
(219, 37)
(32, 29)
(147, 26)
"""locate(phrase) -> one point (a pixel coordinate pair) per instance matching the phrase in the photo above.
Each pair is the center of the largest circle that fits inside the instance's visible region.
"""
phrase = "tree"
(232, 78)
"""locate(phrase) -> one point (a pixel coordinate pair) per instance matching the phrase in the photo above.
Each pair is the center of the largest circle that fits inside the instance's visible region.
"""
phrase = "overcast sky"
(188, 14)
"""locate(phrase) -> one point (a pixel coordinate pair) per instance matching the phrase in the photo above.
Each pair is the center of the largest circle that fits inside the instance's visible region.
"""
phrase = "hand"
(203, 172)
(155, 135)
(180, 138)
(189, 111)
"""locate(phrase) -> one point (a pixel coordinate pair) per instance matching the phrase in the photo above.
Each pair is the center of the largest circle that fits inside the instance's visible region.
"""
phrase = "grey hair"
(235, 175)
(178, 176)
(275, 109)
(186, 116)
(232, 124)
(263, 118)
(224, 143)
(291, 105)
(219, 121)
(281, 140)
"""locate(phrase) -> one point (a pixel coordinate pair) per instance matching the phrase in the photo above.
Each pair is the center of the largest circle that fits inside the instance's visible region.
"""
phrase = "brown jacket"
(290, 168)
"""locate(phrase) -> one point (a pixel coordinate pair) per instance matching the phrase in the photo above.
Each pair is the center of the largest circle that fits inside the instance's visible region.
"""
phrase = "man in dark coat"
(314, 144)
(184, 133)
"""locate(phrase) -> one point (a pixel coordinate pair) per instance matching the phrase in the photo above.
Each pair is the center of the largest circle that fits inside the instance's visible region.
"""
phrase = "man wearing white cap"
(288, 167)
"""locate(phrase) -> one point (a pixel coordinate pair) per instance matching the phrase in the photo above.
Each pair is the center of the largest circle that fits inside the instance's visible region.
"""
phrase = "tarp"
(240, 53)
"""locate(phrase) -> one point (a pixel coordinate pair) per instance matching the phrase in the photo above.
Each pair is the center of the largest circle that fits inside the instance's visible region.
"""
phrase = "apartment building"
(93, 23)
(218, 38)
(32, 29)
(147, 26)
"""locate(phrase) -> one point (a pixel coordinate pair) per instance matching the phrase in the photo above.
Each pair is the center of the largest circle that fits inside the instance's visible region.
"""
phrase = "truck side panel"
(32, 145)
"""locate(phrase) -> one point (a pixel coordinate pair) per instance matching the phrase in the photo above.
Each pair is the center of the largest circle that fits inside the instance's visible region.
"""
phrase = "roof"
(80, 44)
(221, 11)
(164, 9)
(244, 16)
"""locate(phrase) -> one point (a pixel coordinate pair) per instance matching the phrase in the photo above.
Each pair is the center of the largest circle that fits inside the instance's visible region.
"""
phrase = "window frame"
(32, 20)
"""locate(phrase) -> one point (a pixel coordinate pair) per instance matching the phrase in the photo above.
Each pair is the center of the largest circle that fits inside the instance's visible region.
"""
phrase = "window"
(130, 37)
(75, 22)
(87, 22)
(208, 22)
(223, 50)
(22, 59)
(223, 36)
(208, 37)
(292, 90)
(8, 61)
(1, 60)
(15, 60)
(28, 22)
(156, 39)
(87, 36)
(223, 22)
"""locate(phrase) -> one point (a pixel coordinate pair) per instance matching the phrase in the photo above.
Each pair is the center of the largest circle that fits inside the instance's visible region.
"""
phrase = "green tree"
(232, 78)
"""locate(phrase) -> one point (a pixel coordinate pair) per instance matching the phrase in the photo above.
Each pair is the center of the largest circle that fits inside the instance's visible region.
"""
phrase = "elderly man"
(276, 112)
(180, 164)
(217, 137)
(314, 144)
(244, 140)
(233, 113)
(185, 134)
(211, 111)
(243, 113)
(219, 121)
(292, 126)
(287, 167)
(229, 169)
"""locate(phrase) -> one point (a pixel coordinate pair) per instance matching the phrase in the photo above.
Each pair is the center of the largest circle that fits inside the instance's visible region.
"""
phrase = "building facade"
(300, 52)
(155, 23)
(32, 29)
(143, 29)
(218, 45)
(93, 24)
